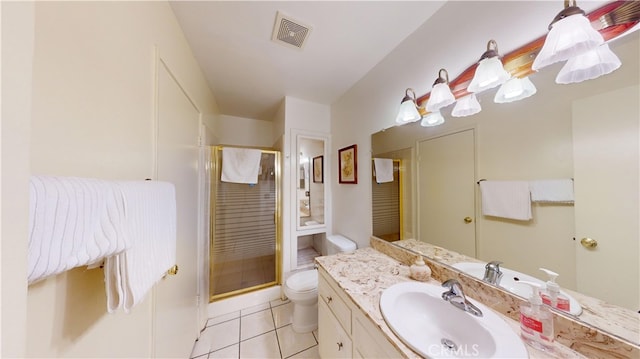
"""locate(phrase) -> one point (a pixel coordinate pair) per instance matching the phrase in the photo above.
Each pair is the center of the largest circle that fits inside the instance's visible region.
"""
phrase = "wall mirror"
(586, 132)
(310, 193)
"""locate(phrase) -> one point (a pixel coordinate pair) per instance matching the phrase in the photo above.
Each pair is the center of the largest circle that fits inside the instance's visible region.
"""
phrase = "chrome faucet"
(492, 273)
(456, 297)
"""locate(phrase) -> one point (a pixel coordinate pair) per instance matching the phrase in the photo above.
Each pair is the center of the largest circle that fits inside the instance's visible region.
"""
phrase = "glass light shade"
(515, 89)
(466, 106)
(590, 65)
(567, 38)
(489, 74)
(432, 119)
(440, 97)
(408, 112)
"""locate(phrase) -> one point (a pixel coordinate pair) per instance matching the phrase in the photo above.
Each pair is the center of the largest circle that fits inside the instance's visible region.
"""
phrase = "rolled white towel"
(73, 222)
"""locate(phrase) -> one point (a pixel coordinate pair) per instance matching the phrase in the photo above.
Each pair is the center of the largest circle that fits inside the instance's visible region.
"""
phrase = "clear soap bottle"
(552, 296)
(536, 321)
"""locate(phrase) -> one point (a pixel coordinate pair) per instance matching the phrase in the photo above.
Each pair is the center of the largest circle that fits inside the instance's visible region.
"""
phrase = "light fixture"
(590, 65)
(441, 94)
(570, 34)
(408, 108)
(490, 71)
(466, 106)
(432, 119)
(515, 89)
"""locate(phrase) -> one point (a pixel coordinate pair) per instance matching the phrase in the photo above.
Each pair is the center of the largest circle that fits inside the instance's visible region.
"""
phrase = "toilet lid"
(303, 281)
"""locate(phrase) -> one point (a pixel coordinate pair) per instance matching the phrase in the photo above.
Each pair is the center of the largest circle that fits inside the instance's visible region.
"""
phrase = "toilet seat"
(305, 281)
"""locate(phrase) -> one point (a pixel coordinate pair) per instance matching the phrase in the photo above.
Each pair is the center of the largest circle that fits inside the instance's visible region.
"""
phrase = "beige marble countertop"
(621, 322)
(366, 273)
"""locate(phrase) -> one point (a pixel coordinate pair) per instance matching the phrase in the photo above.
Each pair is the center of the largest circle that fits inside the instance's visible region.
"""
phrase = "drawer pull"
(329, 299)
(339, 346)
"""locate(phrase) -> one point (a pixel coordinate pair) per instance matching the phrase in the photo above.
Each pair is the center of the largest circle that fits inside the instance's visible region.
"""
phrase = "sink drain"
(450, 344)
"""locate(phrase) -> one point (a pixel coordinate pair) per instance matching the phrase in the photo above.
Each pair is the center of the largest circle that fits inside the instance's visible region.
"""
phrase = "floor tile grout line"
(276, 331)
(301, 351)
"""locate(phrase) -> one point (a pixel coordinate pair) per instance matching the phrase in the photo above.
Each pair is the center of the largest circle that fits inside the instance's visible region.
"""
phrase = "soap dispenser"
(536, 320)
(552, 296)
(419, 270)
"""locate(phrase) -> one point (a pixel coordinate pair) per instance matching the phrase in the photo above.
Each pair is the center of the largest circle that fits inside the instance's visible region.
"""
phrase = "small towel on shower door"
(240, 165)
(506, 199)
(384, 169)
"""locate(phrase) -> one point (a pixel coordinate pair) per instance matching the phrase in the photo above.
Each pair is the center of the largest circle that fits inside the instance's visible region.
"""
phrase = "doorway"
(446, 191)
(245, 230)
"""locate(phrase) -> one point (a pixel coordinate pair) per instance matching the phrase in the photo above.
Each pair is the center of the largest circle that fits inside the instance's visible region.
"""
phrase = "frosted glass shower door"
(245, 236)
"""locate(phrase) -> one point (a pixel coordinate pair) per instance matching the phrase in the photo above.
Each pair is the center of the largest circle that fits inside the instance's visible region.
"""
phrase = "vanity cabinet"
(344, 331)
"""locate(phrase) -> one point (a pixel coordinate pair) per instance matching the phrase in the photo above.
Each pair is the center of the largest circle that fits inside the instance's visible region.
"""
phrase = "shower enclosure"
(245, 229)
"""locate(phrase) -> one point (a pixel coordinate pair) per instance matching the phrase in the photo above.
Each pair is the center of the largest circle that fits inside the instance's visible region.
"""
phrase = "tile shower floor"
(263, 331)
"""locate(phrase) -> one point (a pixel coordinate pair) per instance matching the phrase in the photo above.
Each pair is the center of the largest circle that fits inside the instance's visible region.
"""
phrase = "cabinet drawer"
(335, 303)
(333, 341)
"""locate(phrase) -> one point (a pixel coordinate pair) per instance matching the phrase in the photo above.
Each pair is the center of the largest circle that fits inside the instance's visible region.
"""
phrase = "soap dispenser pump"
(551, 296)
(536, 320)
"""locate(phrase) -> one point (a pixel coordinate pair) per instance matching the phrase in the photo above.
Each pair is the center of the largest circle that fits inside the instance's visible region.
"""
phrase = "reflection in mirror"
(587, 131)
(387, 193)
(310, 190)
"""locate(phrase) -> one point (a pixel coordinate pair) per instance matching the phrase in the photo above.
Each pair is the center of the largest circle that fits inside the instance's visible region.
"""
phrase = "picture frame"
(348, 164)
(318, 169)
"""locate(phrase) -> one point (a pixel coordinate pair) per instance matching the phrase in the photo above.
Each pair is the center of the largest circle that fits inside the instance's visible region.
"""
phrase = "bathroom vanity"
(350, 321)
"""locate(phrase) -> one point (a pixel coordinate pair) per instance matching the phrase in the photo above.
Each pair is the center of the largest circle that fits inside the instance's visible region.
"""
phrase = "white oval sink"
(434, 328)
(509, 279)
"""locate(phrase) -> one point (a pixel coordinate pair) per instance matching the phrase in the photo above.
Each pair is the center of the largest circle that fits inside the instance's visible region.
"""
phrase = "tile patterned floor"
(263, 331)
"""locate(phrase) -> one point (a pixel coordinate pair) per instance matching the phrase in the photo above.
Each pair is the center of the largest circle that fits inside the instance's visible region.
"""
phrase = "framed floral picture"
(318, 169)
(348, 164)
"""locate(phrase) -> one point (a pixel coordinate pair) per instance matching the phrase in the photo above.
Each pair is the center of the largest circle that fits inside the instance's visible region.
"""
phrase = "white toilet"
(302, 287)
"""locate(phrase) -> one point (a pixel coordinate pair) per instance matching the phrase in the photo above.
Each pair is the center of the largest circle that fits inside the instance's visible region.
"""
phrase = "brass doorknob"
(589, 243)
(468, 219)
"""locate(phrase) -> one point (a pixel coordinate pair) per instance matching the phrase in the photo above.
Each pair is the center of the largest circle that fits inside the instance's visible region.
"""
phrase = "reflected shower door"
(245, 248)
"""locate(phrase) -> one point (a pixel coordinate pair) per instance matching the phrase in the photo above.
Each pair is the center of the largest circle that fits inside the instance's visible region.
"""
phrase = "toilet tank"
(337, 243)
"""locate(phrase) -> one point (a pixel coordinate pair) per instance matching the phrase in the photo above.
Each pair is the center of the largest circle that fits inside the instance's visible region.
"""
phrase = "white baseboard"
(242, 301)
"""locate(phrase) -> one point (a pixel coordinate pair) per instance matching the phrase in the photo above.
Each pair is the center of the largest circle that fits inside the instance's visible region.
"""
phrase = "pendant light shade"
(515, 89)
(441, 94)
(408, 111)
(490, 71)
(432, 119)
(570, 34)
(590, 65)
(466, 106)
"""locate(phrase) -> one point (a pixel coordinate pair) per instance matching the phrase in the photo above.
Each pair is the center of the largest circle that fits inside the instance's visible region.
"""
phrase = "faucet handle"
(493, 265)
(455, 289)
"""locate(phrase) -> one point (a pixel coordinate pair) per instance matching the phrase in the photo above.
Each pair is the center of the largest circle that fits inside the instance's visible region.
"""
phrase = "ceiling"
(249, 74)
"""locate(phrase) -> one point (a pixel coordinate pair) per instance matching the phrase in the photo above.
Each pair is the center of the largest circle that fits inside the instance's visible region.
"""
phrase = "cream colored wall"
(240, 131)
(17, 54)
(93, 116)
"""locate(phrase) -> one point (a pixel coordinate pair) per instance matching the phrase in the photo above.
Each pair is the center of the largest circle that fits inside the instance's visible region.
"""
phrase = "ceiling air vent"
(290, 32)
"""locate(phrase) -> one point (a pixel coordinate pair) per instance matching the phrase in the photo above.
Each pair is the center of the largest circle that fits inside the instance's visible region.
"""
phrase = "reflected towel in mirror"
(506, 199)
(383, 168)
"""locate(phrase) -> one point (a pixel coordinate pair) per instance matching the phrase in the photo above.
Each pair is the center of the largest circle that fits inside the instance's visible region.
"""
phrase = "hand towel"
(506, 199)
(151, 227)
(384, 169)
(557, 190)
(240, 165)
(73, 222)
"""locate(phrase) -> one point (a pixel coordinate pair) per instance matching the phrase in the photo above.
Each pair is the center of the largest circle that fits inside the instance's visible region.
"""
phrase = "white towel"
(240, 165)
(151, 228)
(506, 199)
(384, 169)
(73, 222)
(558, 190)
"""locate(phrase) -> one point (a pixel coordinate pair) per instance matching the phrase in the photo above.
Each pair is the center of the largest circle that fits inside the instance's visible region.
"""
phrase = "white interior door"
(446, 192)
(606, 144)
(175, 325)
